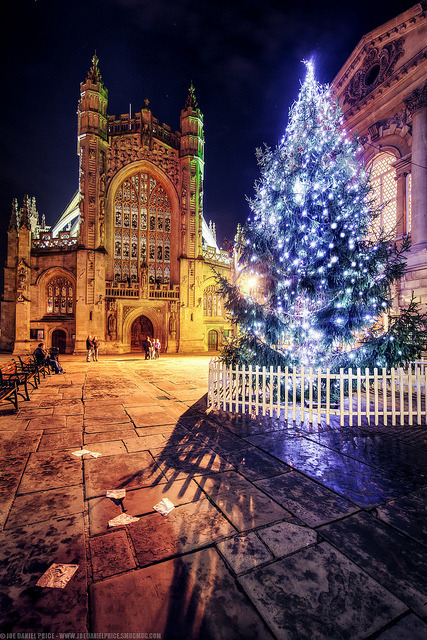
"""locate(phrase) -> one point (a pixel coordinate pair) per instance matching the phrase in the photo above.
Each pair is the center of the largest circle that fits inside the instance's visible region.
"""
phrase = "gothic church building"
(132, 255)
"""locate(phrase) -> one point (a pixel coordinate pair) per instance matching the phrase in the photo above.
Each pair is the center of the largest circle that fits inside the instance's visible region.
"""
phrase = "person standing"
(147, 347)
(89, 348)
(95, 343)
(157, 346)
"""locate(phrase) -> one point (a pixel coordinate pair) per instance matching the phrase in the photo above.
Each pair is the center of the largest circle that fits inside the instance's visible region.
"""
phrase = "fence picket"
(376, 395)
(385, 412)
(342, 407)
(302, 377)
(294, 395)
(393, 396)
(263, 391)
(310, 395)
(368, 398)
(279, 377)
(410, 396)
(350, 397)
(359, 396)
(328, 397)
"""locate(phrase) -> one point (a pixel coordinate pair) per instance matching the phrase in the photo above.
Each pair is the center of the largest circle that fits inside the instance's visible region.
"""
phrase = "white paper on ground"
(123, 518)
(164, 507)
(81, 452)
(95, 454)
(57, 576)
(116, 493)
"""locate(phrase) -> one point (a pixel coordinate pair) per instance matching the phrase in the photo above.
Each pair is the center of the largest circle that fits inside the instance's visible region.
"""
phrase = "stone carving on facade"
(124, 150)
(112, 325)
(417, 99)
(377, 66)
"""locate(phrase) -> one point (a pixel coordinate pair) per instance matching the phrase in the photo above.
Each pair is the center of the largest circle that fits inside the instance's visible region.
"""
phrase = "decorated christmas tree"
(313, 269)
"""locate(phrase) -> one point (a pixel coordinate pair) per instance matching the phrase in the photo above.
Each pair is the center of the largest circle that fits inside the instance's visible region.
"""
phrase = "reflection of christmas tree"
(322, 277)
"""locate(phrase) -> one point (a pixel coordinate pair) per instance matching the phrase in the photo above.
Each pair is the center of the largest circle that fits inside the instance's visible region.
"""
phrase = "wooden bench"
(29, 364)
(9, 393)
(11, 371)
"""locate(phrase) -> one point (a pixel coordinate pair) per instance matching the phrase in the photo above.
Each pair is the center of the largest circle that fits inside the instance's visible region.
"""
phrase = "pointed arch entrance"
(141, 328)
(59, 340)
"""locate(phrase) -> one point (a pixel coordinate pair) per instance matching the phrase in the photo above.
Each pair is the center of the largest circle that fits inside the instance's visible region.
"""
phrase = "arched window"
(384, 184)
(59, 296)
(142, 206)
(211, 302)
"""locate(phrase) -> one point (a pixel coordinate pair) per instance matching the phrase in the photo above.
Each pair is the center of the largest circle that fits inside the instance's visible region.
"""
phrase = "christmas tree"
(313, 271)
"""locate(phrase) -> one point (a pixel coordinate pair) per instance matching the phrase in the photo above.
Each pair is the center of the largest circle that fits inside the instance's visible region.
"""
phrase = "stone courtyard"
(279, 531)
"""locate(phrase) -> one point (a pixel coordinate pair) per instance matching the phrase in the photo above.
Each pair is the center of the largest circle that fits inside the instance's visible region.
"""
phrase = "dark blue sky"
(243, 56)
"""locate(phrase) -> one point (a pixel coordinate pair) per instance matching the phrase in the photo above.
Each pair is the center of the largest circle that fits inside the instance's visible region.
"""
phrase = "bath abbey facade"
(132, 254)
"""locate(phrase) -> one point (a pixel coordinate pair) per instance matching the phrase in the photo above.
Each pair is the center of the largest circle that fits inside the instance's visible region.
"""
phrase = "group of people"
(43, 357)
(92, 346)
(151, 348)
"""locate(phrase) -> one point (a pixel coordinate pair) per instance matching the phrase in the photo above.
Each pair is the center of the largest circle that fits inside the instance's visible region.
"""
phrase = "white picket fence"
(292, 393)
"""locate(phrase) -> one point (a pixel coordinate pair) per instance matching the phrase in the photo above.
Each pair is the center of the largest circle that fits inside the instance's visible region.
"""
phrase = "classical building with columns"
(131, 256)
(382, 88)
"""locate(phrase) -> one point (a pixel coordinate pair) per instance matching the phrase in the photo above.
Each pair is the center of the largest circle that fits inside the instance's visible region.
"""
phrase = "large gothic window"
(59, 296)
(211, 302)
(142, 235)
(384, 184)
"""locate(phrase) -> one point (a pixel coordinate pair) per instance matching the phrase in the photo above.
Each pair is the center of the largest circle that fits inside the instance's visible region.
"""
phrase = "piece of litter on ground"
(57, 576)
(95, 454)
(81, 452)
(164, 507)
(116, 493)
(123, 518)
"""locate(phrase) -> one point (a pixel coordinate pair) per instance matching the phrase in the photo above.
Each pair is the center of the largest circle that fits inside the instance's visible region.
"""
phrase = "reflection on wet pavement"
(368, 470)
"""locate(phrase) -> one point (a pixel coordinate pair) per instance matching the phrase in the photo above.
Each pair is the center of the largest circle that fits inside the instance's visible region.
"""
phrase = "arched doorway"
(213, 340)
(141, 328)
(59, 340)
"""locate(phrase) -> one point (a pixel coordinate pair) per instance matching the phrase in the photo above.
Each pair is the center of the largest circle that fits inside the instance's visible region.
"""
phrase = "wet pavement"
(280, 531)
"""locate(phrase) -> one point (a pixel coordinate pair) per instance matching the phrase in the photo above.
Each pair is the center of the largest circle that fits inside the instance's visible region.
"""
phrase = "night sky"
(243, 57)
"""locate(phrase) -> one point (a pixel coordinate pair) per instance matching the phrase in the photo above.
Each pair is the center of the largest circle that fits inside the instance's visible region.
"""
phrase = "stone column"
(403, 167)
(416, 104)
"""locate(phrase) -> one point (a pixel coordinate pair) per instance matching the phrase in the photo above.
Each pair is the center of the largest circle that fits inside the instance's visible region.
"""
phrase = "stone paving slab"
(12, 443)
(43, 505)
(408, 514)
(109, 448)
(106, 436)
(244, 552)
(47, 422)
(101, 511)
(111, 554)
(179, 462)
(410, 627)
(27, 553)
(394, 560)
(191, 597)
(356, 481)
(11, 470)
(304, 498)
(142, 501)
(255, 464)
(241, 502)
(61, 440)
(285, 538)
(149, 416)
(319, 593)
(12, 423)
(50, 470)
(144, 443)
(186, 528)
(131, 470)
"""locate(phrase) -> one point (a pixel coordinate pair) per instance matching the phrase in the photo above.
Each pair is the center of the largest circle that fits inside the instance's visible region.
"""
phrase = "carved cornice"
(126, 149)
(417, 99)
(378, 65)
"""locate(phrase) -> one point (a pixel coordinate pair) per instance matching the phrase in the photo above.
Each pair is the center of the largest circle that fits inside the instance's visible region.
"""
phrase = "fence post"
(224, 387)
(271, 391)
(359, 396)
(350, 397)
(263, 392)
(257, 389)
(401, 395)
(368, 399)
(342, 397)
(279, 375)
(302, 392)
(250, 387)
(376, 395)
(294, 395)
(393, 382)
(286, 393)
(310, 395)
(328, 397)
(243, 388)
(410, 413)
(385, 406)
(319, 396)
